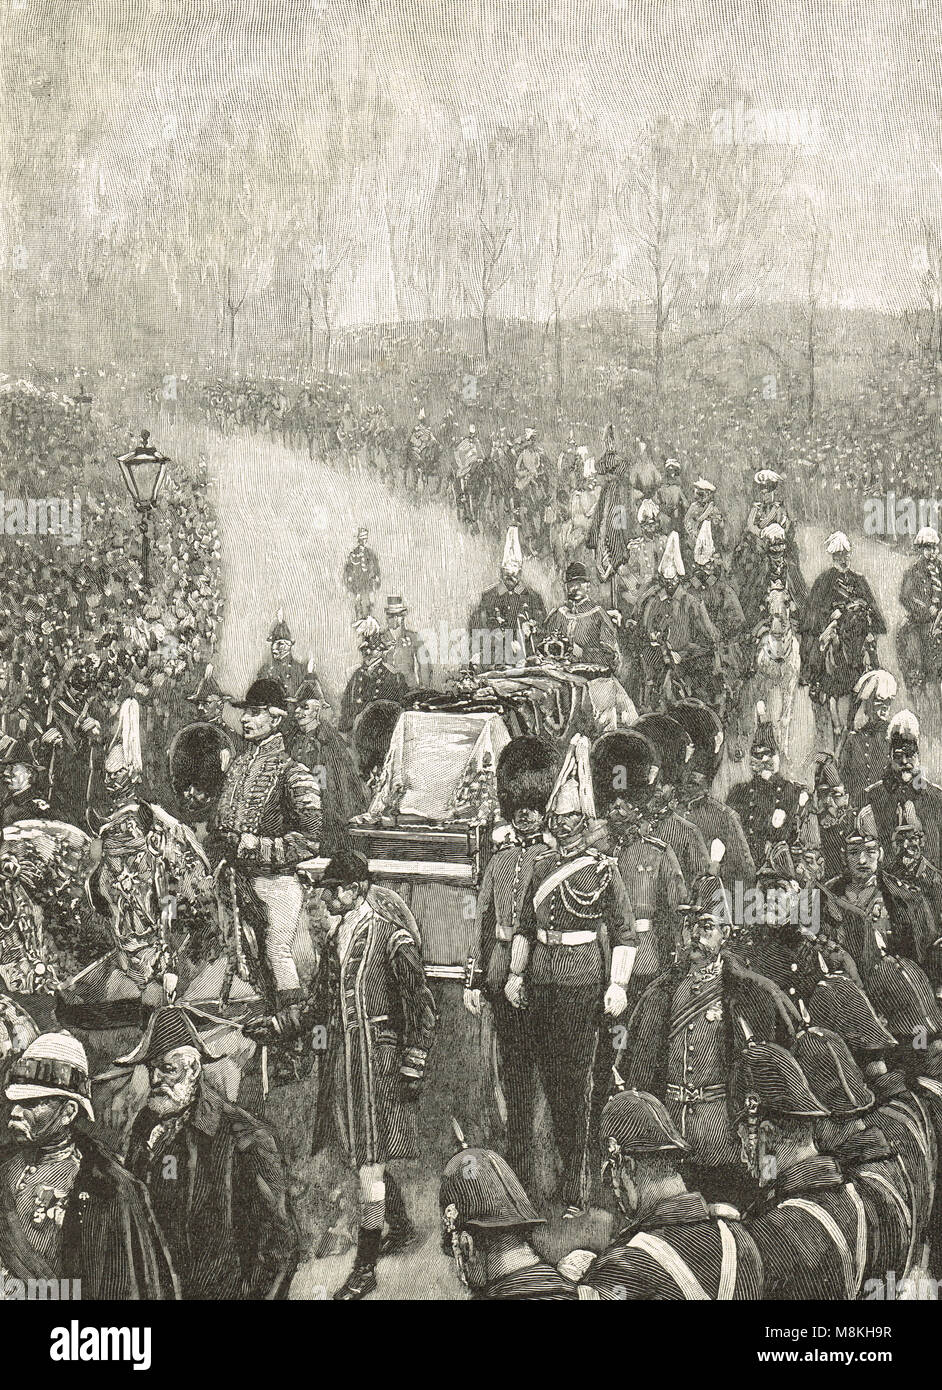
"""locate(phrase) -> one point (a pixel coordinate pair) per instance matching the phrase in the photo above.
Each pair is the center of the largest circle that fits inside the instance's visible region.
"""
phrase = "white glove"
(616, 1000)
(472, 1002)
(513, 991)
(574, 1265)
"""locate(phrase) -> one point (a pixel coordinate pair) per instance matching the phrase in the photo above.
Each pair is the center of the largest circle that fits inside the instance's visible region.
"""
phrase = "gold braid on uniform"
(575, 902)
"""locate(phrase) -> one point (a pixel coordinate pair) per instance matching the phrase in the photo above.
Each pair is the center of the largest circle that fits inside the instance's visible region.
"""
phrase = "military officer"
(21, 778)
(674, 1247)
(834, 590)
(487, 1224)
(675, 750)
(210, 700)
(904, 779)
(571, 960)
(832, 812)
(584, 627)
(504, 626)
(405, 653)
(703, 508)
(318, 746)
(526, 772)
(361, 575)
(640, 565)
(865, 748)
(624, 767)
(671, 499)
(811, 1225)
(373, 679)
(768, 804)
(268, 818)
(678, 642)
(918, 641)
(718, 823)
(469, 456)
(284, 667)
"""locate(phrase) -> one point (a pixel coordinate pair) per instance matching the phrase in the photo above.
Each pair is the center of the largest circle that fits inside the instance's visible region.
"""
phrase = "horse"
(848, 649)
(776, 664)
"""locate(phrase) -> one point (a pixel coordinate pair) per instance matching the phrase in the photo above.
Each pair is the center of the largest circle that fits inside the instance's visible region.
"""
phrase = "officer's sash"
(695, 1007)
(560, 875)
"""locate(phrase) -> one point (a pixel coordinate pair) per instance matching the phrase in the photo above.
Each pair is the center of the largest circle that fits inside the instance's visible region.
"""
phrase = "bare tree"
(486, 221)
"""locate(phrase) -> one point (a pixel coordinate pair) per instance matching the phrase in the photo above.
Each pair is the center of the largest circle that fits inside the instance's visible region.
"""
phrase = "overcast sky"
(122, 87)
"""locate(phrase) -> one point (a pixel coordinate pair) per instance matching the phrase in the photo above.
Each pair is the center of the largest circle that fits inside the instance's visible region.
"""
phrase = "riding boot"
(362, 1278)
(401, 1231)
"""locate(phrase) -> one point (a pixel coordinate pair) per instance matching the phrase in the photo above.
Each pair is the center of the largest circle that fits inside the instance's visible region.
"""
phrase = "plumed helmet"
(526, 773)
(623, 763)
(832, 1073)
(903, 730)
(280, 632)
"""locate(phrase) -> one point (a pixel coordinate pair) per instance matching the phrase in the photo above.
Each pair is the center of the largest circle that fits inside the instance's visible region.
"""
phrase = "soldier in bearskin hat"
(624, 775)
(487, 1224)
(718, 823)
(675, 750)
(810, 1224)
(526, 773)
(570, 962)
(768, 804)
(675, 1245)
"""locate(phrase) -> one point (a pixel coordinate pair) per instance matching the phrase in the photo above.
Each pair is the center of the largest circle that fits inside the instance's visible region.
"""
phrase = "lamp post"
(143, 471)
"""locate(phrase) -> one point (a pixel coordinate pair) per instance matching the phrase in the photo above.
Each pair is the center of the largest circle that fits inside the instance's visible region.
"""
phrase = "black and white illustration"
(471, 650)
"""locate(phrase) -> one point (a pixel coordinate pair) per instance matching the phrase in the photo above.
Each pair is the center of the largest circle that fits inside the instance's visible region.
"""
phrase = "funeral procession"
(470, 657)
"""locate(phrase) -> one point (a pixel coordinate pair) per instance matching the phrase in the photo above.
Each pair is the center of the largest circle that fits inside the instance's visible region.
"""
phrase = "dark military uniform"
(716, 821)
(369, 683)
(861, 759)
(487, 969)
(574, 912)
(26, 805)
(812, 1235)
(768, 808)
(679, 1252)
(890, 793)
(686, 841)
(656, 886)
(884, 916)
(536, 1282)
(495, 625)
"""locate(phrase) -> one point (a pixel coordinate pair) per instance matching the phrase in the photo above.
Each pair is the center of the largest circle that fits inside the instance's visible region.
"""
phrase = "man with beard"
(361, 575)
(872, 912)
(674, 1246)
(918, 641)
(504, 625)
(718, 824)
(832, 812)
(373, 679)
(640, 565)
(21, 773)
(865, 1157)
(678, 641)
(487, 1226)
(909, 864)
(810, 1226)
(674, 751)
(834, 590)
(284, 667)
(526, 772)
(684, 1030)
(215, 1174)
(68, 1209)
(571, 960)
(318, 746)
(405, 653)
(768, 805)
(905, 780)
(786, 942)
(775, 566)
(584, 627)
(865, 748)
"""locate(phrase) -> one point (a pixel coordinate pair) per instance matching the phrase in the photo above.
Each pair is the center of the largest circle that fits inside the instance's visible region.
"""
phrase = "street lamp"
(143, 471)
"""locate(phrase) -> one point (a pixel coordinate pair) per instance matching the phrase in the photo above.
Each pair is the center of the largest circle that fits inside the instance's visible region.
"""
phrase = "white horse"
(777, 664)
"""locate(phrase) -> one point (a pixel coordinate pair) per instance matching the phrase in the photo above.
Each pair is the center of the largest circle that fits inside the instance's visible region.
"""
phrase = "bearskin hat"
(526, 772)
(622, 762)
(705, 728)
(198, 758)
(673, 743)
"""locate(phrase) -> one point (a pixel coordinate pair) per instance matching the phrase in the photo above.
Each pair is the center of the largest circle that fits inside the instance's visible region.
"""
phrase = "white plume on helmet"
(513, 554)
(704, 549)
(672, 565)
